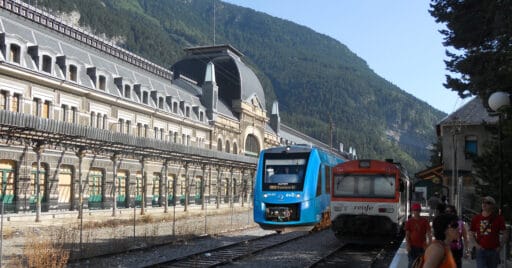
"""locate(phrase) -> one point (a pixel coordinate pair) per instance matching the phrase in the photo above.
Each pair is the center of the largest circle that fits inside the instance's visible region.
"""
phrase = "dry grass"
(40, 252)
(9, 232)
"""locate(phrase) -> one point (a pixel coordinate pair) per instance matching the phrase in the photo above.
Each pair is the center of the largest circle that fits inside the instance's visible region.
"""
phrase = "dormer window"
(187, 111)
(127, 91)
(14, 53)
(73, 73)
(102, 82)
(161, 102)
(201, 115)
(175, 107)
(46, 65)
(145, 97)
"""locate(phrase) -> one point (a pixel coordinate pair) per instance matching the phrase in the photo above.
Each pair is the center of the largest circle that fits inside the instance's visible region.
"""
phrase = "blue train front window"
(367, 185)
(284, 174)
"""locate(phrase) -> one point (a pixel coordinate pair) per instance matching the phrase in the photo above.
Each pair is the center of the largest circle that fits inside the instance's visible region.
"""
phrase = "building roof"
(472, 113)
(235, 79)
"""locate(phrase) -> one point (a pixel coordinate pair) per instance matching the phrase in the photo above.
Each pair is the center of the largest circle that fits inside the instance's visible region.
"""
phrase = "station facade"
(87, 124)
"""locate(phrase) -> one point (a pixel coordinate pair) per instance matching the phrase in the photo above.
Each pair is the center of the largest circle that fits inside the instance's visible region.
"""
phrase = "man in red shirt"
(485, 233)
(417, 234)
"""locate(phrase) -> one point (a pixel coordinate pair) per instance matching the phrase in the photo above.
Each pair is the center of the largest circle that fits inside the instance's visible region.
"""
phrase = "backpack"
(419, 261)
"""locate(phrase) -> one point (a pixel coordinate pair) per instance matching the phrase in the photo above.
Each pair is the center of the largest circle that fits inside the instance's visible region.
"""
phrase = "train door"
(7, 168)
(64, 187)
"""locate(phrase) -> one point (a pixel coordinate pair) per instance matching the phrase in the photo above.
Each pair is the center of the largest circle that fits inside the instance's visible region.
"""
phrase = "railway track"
(226, 254)
(350, 255)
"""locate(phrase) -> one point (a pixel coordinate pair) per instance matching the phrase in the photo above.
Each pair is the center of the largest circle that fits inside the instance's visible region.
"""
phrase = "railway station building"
(87, 124)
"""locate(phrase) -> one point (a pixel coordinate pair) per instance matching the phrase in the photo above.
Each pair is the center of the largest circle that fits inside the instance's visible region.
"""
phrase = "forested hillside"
(314, 77)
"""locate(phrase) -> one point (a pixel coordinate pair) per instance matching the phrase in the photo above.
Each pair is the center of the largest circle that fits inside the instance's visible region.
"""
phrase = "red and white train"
(369, 201)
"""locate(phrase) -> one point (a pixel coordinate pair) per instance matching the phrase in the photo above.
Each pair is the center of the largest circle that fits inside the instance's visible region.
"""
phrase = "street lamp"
(498, 102)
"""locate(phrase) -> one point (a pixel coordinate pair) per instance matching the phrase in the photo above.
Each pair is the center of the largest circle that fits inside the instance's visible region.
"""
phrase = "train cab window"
(284, 174)
(366, 185)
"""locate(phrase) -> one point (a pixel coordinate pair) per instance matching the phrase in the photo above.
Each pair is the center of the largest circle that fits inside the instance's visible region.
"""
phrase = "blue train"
(292, 188)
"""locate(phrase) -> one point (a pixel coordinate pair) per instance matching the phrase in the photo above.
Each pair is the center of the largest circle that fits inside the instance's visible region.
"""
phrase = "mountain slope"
(315, 78)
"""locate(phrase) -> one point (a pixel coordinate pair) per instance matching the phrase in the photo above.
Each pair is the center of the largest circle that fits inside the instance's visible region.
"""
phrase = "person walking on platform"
(485, 232)
(438, 253)
(417, 234)
(457, 246)
(433, 203)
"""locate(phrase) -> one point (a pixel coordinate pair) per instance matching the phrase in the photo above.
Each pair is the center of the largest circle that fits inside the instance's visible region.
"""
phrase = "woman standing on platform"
(438, 253)
(457, 246)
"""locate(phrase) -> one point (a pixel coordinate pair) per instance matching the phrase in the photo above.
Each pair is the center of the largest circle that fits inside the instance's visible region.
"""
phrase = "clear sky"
(398, 39)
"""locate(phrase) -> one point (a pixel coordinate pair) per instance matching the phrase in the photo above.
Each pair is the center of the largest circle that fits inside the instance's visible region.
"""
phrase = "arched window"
(227, 147)
(235, 148)
(219, 145)
(252, 146)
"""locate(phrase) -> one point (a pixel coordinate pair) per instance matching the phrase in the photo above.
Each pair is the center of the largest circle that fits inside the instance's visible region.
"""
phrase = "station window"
(228, 148)
(175, 107)
(128, 126)
(15, 103)
(102, 82)
(47, 64)
(127, 91)
(139, 130)
(45, 112)
(3, 100)
(161, 103)
(73, 73)
(145, 97)
(14, 53)
(219, 145)
(470, 146)
(64, 111)
(74, 114)
(235, 148)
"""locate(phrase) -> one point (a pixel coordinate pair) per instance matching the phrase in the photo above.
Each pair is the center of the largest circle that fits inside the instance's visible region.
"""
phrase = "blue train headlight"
(298, 195)
(265, 195)
(306, 204)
